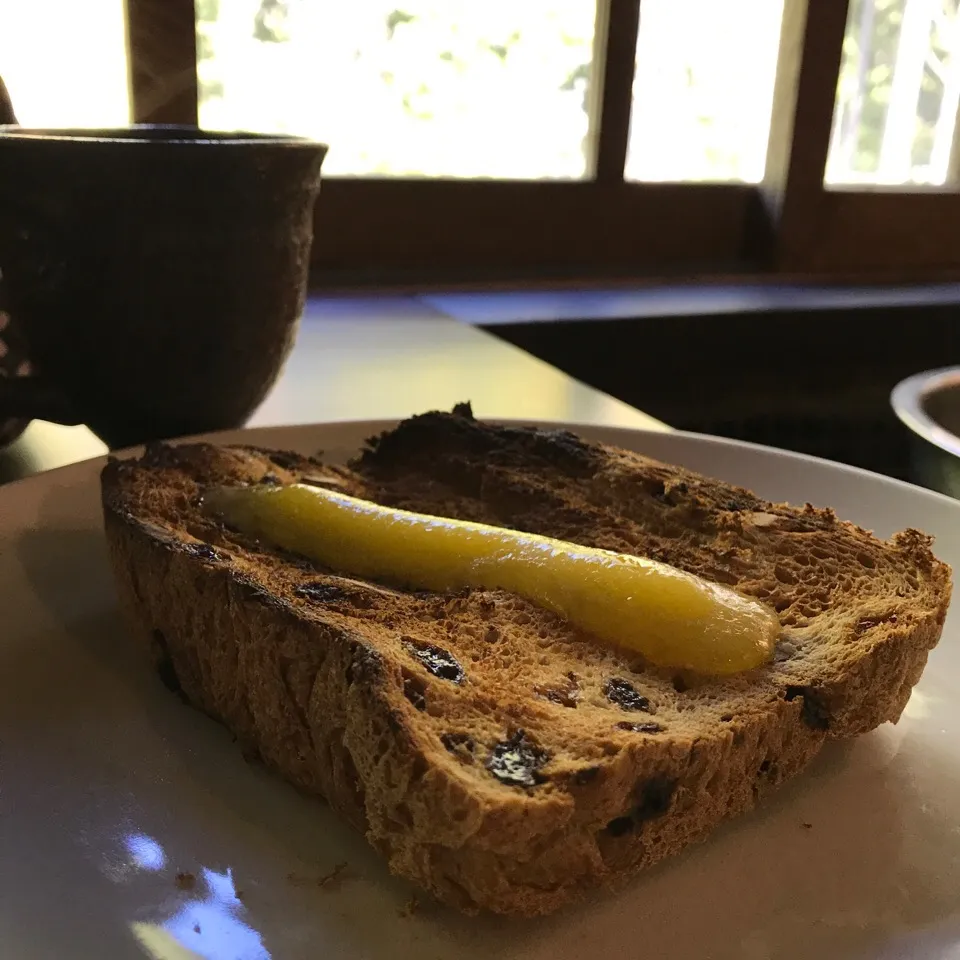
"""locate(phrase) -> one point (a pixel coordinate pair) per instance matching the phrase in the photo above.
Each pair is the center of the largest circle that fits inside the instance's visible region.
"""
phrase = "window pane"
(703, 89)
(898, 93)
(406, 87)
(65, 63)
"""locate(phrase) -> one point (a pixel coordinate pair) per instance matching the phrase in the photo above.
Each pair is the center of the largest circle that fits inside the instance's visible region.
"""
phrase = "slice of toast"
(492, 753)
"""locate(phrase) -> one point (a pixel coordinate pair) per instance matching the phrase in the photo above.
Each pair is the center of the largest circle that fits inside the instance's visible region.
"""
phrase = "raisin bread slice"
(492, 753)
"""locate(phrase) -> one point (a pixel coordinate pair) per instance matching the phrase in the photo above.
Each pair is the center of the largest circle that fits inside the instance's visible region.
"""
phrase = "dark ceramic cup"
(155, 274)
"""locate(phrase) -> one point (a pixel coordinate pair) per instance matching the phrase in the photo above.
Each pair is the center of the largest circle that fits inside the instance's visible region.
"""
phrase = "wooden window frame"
(384, 230)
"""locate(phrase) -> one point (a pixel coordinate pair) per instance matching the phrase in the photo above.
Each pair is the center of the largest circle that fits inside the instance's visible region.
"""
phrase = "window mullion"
(811, 44)
(614, 61)
(162, 45)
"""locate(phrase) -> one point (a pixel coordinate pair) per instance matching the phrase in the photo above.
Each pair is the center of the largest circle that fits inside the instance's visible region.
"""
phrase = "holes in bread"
(203, 551)
(340, 591)
(487, 607)
(461, 745)
(868, 623)
(644, 727)
(364, 666)
(401, 816)
(620, 826)
(565, 693)
(720, 575)
(286, 459)
(441, 663)
(165, 668)
(419, 768)
(814, 711)
(654, 797)
(435, 608)
(349, 794)
(563, 698)
(586, 775)
(415, 690)
(769, 772)
(784, 575)
(674, 493)
(865, 560)
(517, 761)
(625, 695)
(320, 592)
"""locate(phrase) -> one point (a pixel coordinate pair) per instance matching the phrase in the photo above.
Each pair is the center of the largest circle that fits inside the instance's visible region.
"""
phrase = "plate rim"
(567, 921)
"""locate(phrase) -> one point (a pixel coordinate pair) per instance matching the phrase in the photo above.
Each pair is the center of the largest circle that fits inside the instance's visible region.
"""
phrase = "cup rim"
(189, 136)
(909, 401)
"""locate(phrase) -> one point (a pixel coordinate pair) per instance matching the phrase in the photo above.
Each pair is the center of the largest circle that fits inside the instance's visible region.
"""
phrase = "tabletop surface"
(379, 358)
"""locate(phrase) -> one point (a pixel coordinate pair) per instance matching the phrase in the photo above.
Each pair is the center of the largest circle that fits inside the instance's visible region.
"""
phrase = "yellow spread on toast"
(670, 617)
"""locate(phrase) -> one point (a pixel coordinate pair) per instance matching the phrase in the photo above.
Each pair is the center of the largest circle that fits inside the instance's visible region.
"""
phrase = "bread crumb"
(328, 881)
(334, 877)
(185, 880)
(411, 907)
(807, 826)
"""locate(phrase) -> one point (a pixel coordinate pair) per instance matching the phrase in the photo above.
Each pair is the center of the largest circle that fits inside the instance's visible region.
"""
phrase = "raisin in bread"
(492, 753)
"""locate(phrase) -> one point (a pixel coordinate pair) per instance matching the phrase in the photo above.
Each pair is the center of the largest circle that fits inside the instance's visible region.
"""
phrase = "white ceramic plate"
(131, 826)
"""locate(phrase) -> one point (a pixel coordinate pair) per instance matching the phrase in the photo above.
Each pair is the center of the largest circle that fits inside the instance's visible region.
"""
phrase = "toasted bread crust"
(319, 674)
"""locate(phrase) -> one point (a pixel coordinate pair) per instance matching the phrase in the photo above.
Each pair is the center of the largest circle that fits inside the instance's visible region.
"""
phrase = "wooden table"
(358, 359)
